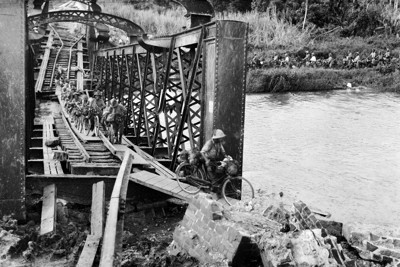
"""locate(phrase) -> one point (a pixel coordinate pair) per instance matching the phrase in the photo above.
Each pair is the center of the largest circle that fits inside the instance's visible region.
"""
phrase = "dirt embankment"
(146, 236)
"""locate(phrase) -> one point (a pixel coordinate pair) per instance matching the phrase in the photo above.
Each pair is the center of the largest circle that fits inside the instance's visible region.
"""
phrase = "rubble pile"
(21, 243)
(249, 235)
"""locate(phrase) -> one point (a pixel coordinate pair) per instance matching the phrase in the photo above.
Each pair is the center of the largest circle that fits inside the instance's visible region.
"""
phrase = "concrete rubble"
(249, 234)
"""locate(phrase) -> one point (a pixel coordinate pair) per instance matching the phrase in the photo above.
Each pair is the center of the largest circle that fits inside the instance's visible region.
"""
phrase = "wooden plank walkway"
(80, 135)
(51, 166)
(160, 183)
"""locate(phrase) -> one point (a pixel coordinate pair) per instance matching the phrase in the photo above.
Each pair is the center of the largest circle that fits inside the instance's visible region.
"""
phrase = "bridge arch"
(86, 17)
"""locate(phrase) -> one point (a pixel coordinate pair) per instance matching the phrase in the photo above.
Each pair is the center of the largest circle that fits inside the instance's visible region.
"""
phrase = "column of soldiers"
(349, 61)
(81, 107)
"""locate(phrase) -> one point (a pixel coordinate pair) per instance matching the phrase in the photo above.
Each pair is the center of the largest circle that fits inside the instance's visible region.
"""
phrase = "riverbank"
(281, 80)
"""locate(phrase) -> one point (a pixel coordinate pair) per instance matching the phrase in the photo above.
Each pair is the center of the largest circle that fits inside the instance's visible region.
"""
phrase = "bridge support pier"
(14, 125)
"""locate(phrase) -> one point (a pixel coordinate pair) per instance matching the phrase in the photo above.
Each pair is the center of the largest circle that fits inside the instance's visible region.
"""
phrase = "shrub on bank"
(310, 79)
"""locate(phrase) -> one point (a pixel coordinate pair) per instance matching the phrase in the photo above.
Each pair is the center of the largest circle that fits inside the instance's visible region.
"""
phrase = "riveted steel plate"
(12, 107)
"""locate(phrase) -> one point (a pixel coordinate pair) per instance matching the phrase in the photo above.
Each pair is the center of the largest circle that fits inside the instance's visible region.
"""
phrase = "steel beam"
(81, 16)
(184, 39)
(13, 105)
(225, 85)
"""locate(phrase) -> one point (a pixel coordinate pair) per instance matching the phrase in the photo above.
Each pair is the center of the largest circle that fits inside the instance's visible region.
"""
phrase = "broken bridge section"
(86, 17)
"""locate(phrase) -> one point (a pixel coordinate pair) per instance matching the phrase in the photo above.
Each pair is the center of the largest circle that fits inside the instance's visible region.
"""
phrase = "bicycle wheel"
(237, 188)
(96, 128)
(87, 125)
(111, 133)
(184, 170)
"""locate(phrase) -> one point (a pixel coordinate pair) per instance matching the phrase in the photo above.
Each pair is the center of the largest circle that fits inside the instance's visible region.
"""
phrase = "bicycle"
(114, 128)
(192, 178)
(91, 122)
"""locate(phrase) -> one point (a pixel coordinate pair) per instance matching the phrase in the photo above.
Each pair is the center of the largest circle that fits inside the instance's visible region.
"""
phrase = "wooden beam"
(98, 209)
(110, 240)
(89, 251)
(49, 210)
(94, 168)
(45, 61)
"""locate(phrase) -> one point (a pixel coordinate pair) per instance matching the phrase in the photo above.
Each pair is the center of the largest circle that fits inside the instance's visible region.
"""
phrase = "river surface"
(337, 151)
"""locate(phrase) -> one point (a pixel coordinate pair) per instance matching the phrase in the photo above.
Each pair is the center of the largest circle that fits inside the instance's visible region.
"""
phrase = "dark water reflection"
(338, 151)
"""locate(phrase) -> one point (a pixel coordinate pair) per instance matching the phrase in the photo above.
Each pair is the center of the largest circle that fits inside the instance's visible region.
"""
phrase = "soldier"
(116, 117)
(96, 106)
(213, 152)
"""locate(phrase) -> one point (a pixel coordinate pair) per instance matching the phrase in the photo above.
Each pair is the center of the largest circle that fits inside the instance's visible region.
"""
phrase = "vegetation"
(293, 26)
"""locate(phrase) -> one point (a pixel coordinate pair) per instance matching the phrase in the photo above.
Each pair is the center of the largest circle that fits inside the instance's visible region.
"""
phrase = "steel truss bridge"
(176, 88)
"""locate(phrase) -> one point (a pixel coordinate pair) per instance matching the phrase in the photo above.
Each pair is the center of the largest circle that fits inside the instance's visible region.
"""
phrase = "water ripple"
(339, 151)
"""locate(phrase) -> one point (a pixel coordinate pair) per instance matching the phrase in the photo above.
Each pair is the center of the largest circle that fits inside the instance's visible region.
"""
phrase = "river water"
(338, 151)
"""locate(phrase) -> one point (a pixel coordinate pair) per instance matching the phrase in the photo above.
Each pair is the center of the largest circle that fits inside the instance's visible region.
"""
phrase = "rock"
(307, 252)
(332, 227)
(53, 142)
(374, 242)
(275, 213)
(59, 253)
(276, 249)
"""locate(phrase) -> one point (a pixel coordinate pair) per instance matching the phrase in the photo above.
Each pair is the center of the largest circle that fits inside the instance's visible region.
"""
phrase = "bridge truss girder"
(86, 17)
(174, 91)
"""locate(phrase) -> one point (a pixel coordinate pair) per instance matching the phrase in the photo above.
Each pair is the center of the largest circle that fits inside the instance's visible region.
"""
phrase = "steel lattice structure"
(86, 17)
(171, 99)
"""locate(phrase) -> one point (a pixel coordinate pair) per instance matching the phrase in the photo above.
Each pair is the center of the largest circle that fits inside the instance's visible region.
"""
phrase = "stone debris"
(374, 242)
(274, 236)
(53, 142)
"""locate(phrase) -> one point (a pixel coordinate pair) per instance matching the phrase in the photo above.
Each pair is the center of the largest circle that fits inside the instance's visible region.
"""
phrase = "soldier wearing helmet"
(98, 103)
(213, 151)
(116, 116)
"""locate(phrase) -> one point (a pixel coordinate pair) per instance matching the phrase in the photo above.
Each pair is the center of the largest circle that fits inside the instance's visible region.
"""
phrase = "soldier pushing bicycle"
(212, 169)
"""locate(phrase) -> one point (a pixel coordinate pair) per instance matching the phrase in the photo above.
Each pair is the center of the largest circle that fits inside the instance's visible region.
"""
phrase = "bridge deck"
(160, 183)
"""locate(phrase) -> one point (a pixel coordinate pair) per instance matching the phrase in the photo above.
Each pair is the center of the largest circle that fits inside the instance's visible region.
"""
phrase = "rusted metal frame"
(184, 39)
(130, 76)
(202, 7)
(184, 92)
(172, 119)
(122, 78)
(106, 63)
(136, 110)
(118, 76)
(101, 82)
(142, 100)
(183, 79)
(56, 58)
(83, 16)
(150, 98)
(187, 100)
(172, 116)
(195, 110)
(161, 102)
(114, 72)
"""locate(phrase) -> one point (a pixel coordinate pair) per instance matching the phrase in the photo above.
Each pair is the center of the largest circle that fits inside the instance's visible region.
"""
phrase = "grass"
(310, 79)
(266, 29)
(270, 34)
